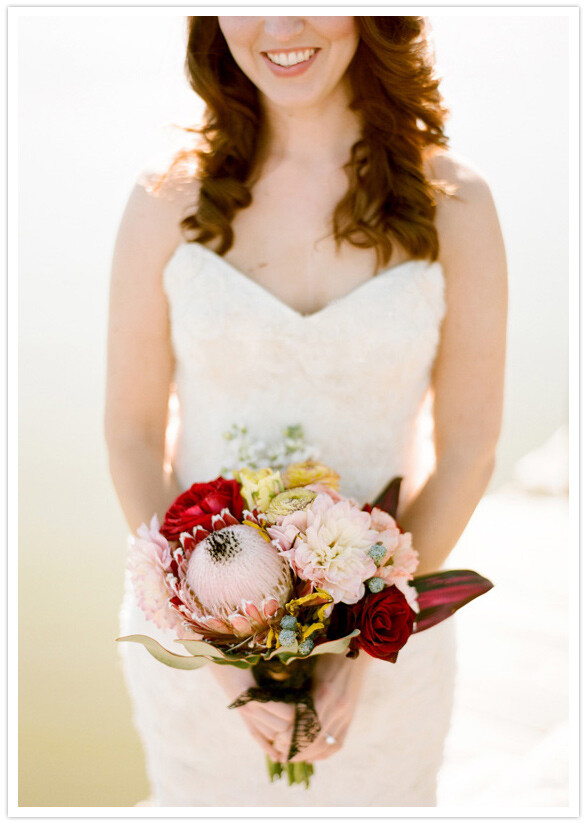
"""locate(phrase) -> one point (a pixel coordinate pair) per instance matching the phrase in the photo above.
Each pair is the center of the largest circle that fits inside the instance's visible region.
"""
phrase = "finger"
(280, 710)
(282, 745)
(316, 753)
(332, 717)
(278, 739)
(265, 730)
(267, 746)
(275, 723)
(319, 748)
(328, 700)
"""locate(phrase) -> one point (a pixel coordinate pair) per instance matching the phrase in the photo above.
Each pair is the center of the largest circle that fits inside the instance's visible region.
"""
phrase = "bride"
(320, 259)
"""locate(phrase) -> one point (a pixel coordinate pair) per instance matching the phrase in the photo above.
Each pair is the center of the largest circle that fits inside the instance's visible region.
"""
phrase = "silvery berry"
(306, 647)
(287, 637)
(377, 553)
(376, 584)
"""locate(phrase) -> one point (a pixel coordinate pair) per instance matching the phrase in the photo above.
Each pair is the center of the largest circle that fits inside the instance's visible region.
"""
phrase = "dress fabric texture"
(354, 375)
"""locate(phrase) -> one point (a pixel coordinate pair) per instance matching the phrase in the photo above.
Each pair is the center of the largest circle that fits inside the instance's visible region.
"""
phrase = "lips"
(290, 62)
(290, 58)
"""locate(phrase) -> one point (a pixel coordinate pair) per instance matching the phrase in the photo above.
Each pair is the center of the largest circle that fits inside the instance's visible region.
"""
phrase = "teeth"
(290, 58)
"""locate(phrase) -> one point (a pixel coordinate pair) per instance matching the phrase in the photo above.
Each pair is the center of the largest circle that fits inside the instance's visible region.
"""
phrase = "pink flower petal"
(270, 606)
(251, 610)
(241, 624)
(213, 623)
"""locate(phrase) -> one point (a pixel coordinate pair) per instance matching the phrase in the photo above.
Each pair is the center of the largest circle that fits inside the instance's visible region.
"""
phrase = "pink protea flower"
(331, 549)
(236, 584)
(233, 564)
(149, 559)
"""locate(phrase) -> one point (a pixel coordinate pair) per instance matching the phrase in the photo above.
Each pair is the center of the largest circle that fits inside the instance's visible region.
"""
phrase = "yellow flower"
(310, 472)
(258, 487)
(288, 502)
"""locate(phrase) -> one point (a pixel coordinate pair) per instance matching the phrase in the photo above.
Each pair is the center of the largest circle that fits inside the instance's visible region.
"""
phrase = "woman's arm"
(140, 371)
(140, 359)
(468, 388)
(468, 374)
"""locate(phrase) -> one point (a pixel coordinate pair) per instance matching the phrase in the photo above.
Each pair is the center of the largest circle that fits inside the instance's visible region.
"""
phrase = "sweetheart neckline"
(301, 315)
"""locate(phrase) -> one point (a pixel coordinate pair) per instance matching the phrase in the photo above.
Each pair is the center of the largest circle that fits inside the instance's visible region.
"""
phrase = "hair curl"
(395, 93)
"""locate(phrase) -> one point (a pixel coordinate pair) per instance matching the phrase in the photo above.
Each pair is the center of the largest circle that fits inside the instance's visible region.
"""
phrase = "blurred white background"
(96, 96)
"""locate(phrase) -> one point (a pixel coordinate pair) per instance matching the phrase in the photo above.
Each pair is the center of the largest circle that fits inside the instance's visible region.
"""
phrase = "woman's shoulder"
(466, 216)
(164, 194)
(462, 181)
(150, 230)
(170, 178)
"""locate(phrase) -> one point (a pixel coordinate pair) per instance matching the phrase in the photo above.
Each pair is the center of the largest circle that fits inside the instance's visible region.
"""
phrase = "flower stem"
(297, 772)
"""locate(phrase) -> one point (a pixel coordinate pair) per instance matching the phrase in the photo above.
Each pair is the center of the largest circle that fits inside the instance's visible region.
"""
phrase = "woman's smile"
(290, 62)
(316, 51)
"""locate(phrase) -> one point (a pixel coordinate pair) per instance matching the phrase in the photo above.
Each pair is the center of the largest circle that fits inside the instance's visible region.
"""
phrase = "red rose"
(385, 620)
(197, 505)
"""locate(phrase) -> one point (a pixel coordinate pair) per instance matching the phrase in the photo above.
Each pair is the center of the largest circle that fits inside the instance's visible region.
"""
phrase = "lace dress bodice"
(353, 375)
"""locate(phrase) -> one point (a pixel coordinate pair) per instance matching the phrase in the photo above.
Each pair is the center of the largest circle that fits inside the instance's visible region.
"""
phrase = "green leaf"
(336, 646)
(236, 663)
(286, 658)
(199, 648)
(165, 656)
(209, 651)
(285, 653)
(288, 654)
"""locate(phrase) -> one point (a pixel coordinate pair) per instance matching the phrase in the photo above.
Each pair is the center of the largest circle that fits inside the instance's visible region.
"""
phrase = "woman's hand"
(269, 723)
(337, 687)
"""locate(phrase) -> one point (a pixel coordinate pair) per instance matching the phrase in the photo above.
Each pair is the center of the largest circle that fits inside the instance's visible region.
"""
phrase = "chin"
(301, 98)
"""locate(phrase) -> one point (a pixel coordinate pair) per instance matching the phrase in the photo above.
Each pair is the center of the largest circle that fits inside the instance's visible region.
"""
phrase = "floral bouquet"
(269, 569)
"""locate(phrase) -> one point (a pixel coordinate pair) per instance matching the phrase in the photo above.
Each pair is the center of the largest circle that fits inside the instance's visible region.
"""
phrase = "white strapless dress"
(353, 375)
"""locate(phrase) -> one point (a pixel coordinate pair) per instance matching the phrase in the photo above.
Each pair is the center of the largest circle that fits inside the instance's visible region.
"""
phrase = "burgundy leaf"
(388, 500)
(442, 594)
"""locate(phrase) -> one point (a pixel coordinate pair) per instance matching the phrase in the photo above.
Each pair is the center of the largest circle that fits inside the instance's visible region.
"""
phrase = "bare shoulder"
(466, 216)
(170, 179)
(150, 228)
(160, 199)
(458, 173)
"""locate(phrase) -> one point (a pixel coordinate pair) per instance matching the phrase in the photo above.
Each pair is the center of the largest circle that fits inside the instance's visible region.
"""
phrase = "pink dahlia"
(332, 546)
(410, 593)
(149, 560)
(319, 487)
(401, 559)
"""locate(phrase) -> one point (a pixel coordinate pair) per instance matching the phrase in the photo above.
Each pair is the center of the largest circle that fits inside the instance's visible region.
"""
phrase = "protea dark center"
(222, 545)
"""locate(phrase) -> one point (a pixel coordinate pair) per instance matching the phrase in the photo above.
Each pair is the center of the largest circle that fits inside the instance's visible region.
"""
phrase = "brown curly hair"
(395, 93)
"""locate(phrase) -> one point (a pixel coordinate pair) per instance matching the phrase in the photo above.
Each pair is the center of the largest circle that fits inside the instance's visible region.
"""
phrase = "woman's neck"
(317, 137)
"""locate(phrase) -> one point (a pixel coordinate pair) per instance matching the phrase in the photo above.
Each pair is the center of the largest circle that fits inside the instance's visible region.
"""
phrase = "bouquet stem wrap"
(292, 683)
